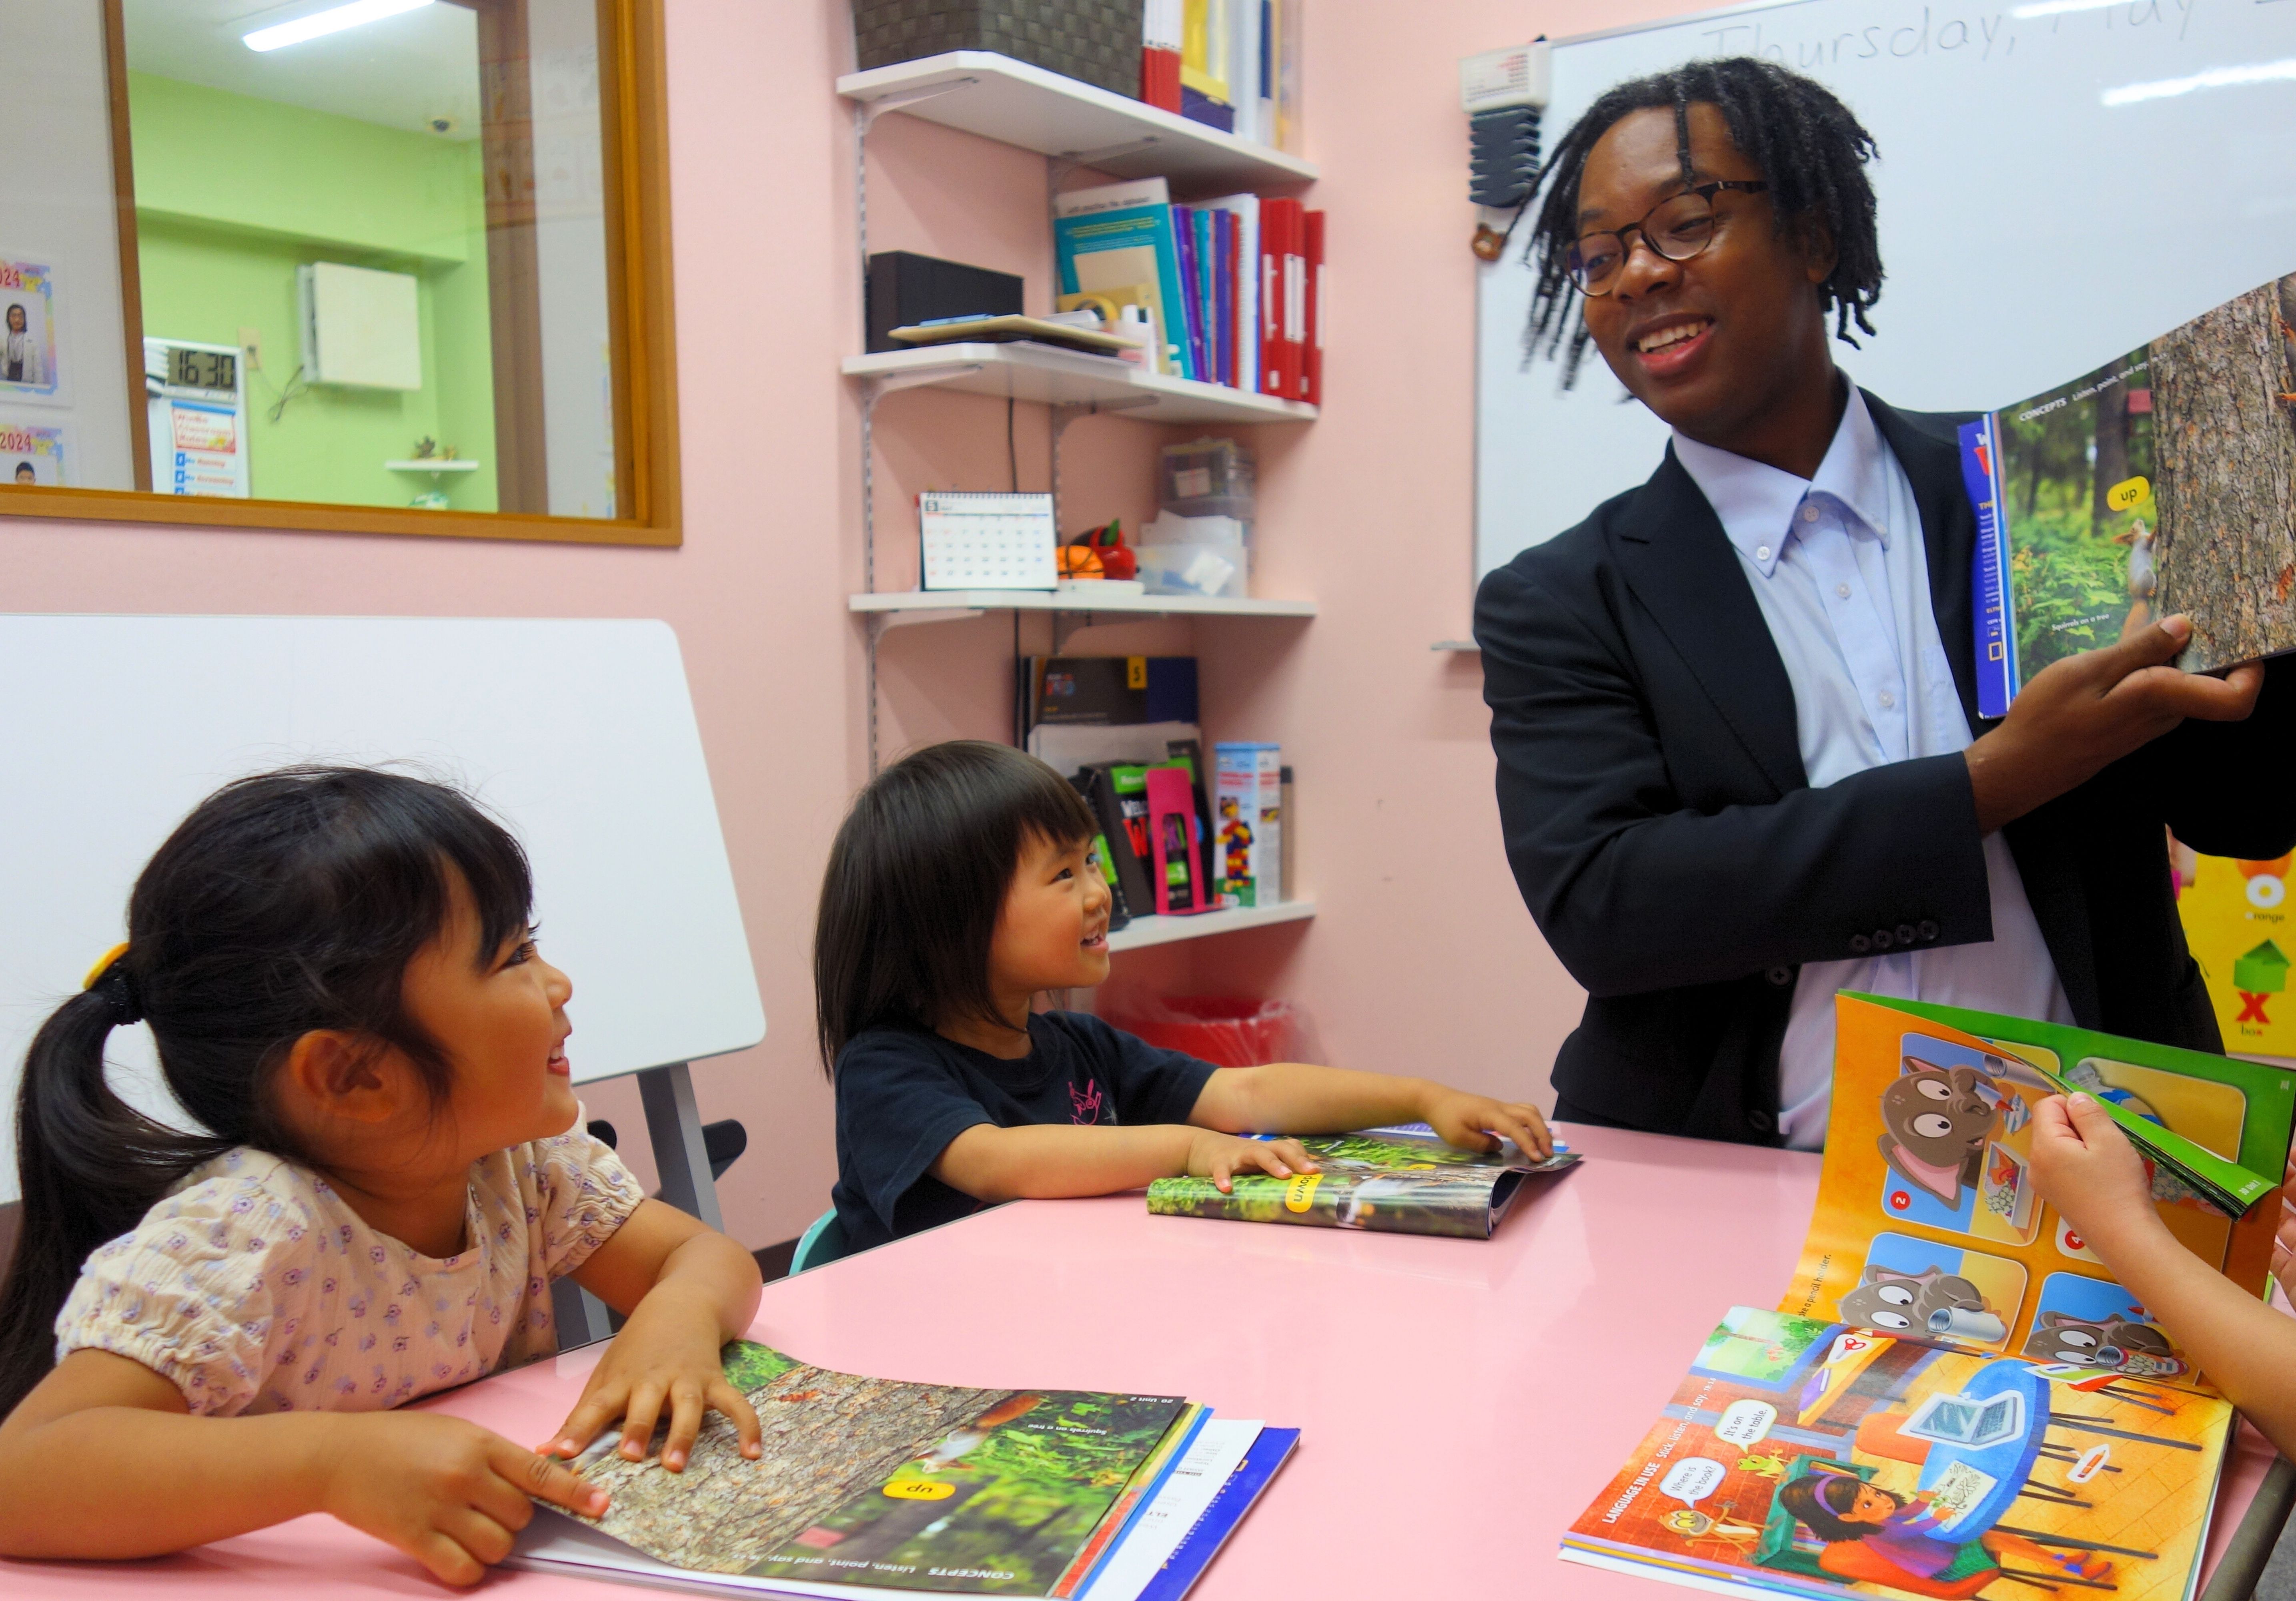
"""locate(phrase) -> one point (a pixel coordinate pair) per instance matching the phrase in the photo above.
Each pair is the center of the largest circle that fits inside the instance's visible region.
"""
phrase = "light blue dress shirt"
(1837, 565)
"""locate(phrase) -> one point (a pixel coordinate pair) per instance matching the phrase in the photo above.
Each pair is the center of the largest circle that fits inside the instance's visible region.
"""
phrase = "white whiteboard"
(2030, 229)
(580, 734)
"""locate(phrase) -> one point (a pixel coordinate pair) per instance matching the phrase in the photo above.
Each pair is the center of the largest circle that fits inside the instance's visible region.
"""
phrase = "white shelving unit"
(1166, 930)
(948, 605)
(1050, 376)
(1015, 103)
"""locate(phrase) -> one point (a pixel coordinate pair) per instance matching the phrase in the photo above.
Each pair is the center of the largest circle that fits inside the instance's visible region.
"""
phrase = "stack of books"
(1233, 286)
(1229, 64)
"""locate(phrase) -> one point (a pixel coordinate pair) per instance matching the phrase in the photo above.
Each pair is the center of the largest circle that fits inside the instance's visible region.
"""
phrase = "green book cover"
(1392, 1180)
(892, 1485)
(2084, 1060)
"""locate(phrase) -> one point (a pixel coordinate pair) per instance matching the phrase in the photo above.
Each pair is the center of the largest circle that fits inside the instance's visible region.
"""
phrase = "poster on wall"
(32, 358)
(34, 453)
(2237, 923)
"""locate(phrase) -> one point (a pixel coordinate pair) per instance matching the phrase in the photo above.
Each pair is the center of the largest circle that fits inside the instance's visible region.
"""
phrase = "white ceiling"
(399, 72)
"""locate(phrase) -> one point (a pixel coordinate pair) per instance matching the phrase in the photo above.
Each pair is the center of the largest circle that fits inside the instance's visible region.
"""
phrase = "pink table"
(1461, 1400)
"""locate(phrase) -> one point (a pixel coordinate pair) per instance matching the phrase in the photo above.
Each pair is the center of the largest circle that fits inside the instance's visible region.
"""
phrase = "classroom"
(1753, 882)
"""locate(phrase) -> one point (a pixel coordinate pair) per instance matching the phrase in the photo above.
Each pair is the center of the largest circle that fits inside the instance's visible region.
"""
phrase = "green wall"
(233, 193)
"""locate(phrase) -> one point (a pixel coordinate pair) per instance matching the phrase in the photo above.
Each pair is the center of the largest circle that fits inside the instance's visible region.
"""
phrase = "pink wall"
(1423, 959)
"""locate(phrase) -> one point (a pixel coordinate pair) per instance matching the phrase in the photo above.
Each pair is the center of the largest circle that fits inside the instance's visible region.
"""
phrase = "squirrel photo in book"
(1938, 1123)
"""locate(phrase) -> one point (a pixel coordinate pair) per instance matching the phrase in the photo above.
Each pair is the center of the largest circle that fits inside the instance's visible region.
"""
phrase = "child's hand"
(1218, 1156)
(667, 1352)
(449, 1493)
(1469, 1122)
(2086, 1168)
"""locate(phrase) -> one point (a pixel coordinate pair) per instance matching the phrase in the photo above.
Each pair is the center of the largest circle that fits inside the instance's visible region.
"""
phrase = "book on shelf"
(1161, 22)
(1954, 1390)
(1245, 272)
(871, 1485)
(1396, 1180)
(1311, 319)
(1116, 236)
(2162, 481)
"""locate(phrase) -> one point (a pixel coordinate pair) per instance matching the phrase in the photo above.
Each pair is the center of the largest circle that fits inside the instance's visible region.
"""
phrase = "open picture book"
(1954, 1398)
(1399, 1181)
(873, 1487)
(2163, 481)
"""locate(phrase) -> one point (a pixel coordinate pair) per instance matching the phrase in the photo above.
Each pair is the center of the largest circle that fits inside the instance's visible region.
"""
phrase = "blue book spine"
(1131, 228)
(1187, 1564)
(1183, 225)
(1992, 607)
(1224, 226)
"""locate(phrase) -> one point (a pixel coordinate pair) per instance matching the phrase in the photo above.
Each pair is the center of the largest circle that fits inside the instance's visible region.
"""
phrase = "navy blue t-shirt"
(904, 1094)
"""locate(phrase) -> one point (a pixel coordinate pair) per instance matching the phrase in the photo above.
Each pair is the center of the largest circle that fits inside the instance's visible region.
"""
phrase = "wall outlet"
(250, 348)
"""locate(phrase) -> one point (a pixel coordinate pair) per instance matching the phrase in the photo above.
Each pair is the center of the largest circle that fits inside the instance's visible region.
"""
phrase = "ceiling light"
(319, 24)
(2215, 78)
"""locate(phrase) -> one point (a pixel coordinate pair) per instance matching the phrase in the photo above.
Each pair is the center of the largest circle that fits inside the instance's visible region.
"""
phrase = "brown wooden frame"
(633, 116)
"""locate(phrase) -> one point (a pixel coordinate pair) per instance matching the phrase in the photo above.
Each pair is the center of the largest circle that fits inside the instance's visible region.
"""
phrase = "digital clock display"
(202, 369)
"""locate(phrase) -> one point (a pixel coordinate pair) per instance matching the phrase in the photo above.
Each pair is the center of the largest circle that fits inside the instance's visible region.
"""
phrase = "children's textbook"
(2163, 481)
(870, 1487)
(1954, 1398)
(1402, 1181)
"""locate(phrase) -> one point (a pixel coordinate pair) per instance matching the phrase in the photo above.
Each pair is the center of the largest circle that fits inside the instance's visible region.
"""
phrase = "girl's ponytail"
(287, 902)
(91, 1165)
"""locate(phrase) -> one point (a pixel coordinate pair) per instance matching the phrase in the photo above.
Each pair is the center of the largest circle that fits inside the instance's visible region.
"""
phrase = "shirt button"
(1904, 933)
(1761, 1122)
(1810, 513)
(1761, 552)
(1780, 975)
(1929, 930)
(1887, 700)
(1880, 938)
(1860, 944)
(1842, 590)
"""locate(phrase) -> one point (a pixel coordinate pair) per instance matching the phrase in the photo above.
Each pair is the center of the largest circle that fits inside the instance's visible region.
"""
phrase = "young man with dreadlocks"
(1739, 764)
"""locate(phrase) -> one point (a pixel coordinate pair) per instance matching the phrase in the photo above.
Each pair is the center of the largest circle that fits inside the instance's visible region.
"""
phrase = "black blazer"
(1670, 849)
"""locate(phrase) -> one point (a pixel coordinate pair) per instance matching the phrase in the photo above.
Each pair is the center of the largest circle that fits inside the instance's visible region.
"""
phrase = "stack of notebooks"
(1229, 64)
(1954, 1396)
(871, 1488)
(1233, 286)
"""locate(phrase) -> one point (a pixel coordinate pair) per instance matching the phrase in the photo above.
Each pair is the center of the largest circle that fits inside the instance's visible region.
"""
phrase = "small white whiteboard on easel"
(580, 734)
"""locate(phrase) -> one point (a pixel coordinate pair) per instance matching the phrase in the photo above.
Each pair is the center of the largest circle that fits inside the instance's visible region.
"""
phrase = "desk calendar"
(974, 541)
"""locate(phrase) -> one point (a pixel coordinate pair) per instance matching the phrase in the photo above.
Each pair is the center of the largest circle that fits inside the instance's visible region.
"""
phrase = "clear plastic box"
(1209, 478)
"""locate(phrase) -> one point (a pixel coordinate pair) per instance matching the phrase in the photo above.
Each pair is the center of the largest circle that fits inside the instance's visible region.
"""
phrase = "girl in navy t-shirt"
(963, 883)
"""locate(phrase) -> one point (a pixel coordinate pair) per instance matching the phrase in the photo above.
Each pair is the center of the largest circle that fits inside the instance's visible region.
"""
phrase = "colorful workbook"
(874, 1487)
(1954, 1394)
(1120, 236)
(2163, 481)
(1403, 1180)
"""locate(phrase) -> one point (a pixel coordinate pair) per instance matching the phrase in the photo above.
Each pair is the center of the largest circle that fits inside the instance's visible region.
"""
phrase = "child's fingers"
(478, 1535)
(1221, 1167)
(736, 1408)
(544, 1479)
(2090, 1120)
(637, 1423)
(1268, 1157)
(685, 1408)
(1528, 1132)
(598, 1407)
(448, 1563)
(1296, 1155)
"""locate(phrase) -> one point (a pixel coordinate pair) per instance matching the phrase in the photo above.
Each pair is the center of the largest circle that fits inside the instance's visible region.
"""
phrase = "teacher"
(1739, 764)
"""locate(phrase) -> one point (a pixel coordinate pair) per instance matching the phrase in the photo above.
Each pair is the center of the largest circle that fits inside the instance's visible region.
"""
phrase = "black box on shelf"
(906, 289)
(1094, 41)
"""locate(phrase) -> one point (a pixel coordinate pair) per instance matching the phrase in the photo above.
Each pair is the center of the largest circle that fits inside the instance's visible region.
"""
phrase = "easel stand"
(674, 1128)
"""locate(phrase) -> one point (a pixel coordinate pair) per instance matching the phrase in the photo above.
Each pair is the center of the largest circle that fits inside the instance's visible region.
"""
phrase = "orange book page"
(1929, 1225)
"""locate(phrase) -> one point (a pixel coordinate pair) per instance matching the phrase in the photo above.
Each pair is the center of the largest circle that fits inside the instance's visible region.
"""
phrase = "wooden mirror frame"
(633, 113)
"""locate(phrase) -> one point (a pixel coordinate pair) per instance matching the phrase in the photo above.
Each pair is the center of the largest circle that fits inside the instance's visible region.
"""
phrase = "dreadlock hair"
(286, 902)
(1811, 151)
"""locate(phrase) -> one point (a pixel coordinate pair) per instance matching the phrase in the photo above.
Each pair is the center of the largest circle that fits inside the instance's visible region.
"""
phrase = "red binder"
(1281, 237)
(1312, 367)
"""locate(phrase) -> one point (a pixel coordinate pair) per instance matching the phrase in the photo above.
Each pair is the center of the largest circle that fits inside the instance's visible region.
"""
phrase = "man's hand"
(2079, 716)
(1220, 1157)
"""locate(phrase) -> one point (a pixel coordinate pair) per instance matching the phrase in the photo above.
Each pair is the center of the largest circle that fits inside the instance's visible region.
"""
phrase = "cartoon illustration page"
(1929, 1225)
(1800, 1458)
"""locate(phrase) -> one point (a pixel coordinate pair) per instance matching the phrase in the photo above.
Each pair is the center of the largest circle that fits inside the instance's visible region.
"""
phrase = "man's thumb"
(2161, 643)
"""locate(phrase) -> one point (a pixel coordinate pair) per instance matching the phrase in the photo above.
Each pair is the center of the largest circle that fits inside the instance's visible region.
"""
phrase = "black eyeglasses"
(1677, 228)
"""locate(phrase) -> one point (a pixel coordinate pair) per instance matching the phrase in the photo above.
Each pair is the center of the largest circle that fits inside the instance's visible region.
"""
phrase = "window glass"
(365, 260)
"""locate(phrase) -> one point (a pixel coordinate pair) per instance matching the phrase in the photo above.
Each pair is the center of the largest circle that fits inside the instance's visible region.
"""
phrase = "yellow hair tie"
(103, 966)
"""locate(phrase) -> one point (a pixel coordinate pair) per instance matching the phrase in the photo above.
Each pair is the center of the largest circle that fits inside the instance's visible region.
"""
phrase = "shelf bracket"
(869, 111)
(882, 623)
(1069, 161)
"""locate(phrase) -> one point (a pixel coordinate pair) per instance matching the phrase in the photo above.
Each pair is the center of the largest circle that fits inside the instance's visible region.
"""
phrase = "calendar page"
(974, 541)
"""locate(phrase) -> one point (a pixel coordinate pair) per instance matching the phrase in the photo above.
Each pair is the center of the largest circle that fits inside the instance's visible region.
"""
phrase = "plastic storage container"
(1196, 555)
(1209, 478)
